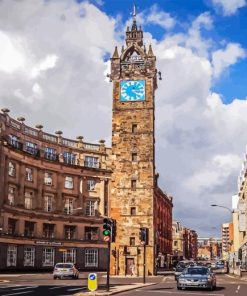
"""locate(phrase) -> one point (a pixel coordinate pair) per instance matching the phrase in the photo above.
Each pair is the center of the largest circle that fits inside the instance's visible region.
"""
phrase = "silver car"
(197, 277)
(65, 270)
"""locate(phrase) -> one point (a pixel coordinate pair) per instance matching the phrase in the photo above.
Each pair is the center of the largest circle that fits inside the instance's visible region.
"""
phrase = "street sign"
(92, 282)
(107, 238)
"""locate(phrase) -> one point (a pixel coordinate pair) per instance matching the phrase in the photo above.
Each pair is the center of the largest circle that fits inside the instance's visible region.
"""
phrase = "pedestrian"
(132, 269)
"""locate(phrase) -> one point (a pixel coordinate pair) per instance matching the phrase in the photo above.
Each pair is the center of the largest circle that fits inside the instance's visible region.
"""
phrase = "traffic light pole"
(144, 264)
(108, 268)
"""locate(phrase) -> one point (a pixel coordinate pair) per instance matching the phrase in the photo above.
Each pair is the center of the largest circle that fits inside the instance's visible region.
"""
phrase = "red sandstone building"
(53, 194)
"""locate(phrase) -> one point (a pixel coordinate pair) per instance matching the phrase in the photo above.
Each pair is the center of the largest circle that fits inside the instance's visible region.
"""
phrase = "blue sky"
(53, 71)
(227, 28)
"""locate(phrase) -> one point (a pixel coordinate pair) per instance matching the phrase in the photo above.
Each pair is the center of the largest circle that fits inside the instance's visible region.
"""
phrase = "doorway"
(129, 262)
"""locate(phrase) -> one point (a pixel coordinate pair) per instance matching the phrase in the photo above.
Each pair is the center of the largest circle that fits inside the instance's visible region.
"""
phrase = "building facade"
(136, 199)
(227, 240)
(53, 195)
(209, 248)
(190, 244)
(177, 241)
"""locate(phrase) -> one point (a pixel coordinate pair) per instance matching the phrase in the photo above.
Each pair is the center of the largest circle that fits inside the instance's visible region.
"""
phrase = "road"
(44, 284)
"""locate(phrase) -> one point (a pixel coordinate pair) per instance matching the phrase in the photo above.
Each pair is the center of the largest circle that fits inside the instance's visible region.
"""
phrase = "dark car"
(180, 267)
(197, 277)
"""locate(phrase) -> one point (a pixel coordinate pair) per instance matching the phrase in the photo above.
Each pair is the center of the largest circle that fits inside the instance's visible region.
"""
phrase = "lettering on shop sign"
(48, 243)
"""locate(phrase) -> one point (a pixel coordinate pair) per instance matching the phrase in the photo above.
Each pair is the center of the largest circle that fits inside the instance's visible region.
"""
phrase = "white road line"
(238, 288)
(58, 287)
(179, 292)
(18, 293)
(24, 288)
(74, 289)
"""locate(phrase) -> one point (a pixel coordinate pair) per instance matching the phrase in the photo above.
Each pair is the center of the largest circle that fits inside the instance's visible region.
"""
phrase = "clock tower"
(134, 77)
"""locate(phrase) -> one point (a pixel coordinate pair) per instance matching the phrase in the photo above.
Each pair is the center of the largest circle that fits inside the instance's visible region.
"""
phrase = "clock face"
(132, 90)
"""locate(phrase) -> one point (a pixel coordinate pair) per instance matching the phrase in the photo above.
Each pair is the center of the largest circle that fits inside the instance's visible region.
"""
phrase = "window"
(90, 208)
(50, 153)
(12, 169)
(91, 185)
(91, 258)
(175, 243)
(133, 211)
(48, 178)
(31, 148)
(29, 229)
(133, 184)
(69, 158)
(69, 231)
(48, 257)
(134, 128)
(91, 162)
(134, 156)
(29, 174)
(28, 200)
(91, 233)
(29, 256)
(68, 207)
(12, 226)
(132, 241)
(48, 230)
(48, 200)
(68, 182)
(11, 255)
(11, 196)
(14, 142)
(69, 256)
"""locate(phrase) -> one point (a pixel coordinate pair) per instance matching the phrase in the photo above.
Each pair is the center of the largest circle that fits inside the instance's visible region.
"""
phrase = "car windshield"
(201, 271)
(64, 265)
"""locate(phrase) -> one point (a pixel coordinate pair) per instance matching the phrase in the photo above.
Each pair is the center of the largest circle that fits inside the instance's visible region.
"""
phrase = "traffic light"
(143, 235)
(109, 229)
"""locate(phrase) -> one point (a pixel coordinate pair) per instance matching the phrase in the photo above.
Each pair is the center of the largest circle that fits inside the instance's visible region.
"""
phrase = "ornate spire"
(115, 54)
(134, 36)
(134, 26)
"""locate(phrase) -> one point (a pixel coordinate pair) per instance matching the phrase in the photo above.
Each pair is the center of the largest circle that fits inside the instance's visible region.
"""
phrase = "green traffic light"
(106, 232)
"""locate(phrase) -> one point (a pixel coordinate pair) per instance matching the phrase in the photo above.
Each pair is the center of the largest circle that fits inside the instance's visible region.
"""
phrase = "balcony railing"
(51, 156)
(91, 164)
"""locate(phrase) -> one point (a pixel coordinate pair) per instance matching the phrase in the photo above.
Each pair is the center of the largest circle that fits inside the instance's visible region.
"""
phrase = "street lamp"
(214, 205)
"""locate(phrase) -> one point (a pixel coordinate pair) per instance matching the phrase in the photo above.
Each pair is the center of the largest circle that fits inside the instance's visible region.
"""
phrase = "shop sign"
(48, 243)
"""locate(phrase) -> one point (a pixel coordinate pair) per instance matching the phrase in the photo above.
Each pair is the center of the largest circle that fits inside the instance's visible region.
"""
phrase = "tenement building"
(54, 192)
(136, 200)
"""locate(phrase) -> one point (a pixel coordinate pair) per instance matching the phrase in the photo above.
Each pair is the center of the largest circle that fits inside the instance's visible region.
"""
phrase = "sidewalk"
(116, 289)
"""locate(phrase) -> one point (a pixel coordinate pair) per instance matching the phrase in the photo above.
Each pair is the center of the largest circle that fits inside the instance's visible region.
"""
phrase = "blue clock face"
(132, 90)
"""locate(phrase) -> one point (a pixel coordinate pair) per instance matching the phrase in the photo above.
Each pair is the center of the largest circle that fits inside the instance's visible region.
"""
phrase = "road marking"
(23, 288)
(74, 289)
(18, 293)
(179, 292)
(238, 288)
(58, 287)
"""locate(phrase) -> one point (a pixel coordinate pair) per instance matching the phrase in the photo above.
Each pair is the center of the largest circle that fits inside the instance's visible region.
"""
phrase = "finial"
(134, 10)
(134, 26)
(150, 51)
(115, 54)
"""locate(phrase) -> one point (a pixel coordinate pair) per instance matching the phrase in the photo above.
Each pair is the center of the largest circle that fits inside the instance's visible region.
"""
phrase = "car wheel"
(179, 288)
(54, 277)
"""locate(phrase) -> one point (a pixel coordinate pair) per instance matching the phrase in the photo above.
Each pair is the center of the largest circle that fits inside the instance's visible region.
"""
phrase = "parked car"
(65, 270)
(197, 277)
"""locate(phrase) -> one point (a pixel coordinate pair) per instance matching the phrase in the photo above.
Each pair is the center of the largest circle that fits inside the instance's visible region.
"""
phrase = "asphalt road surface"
(45, 285)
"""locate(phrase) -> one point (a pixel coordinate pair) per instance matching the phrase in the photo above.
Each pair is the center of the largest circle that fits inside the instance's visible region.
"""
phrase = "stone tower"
(133, 73)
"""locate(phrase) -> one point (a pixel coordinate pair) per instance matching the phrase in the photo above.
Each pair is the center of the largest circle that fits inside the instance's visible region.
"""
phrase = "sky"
(54, 61)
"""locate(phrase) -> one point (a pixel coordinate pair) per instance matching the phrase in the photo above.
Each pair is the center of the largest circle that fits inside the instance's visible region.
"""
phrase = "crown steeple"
(135, 35)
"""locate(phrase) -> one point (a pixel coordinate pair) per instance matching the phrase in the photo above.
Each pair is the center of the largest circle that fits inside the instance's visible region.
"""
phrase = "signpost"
(92, 283)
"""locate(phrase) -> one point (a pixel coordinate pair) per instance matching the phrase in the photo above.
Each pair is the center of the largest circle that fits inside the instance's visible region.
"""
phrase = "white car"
(65, 270)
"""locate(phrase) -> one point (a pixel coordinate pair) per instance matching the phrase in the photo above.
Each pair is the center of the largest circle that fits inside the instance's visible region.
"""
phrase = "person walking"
(132, 269)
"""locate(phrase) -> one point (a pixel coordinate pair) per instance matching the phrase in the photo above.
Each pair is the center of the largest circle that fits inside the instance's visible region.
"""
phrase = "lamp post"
(228, 209)
(214, 205)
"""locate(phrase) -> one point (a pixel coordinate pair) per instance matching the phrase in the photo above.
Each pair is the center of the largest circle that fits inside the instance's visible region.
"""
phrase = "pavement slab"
(116, 289)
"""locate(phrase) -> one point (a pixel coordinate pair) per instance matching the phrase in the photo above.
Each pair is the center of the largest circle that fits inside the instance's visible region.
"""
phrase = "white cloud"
(223, 58)
(59, 80)
(229, 7)
(159, 17)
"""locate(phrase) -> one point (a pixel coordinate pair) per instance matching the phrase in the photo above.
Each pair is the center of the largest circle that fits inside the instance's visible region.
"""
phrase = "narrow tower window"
(134, 128)
(134, 156)
(133, 184)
